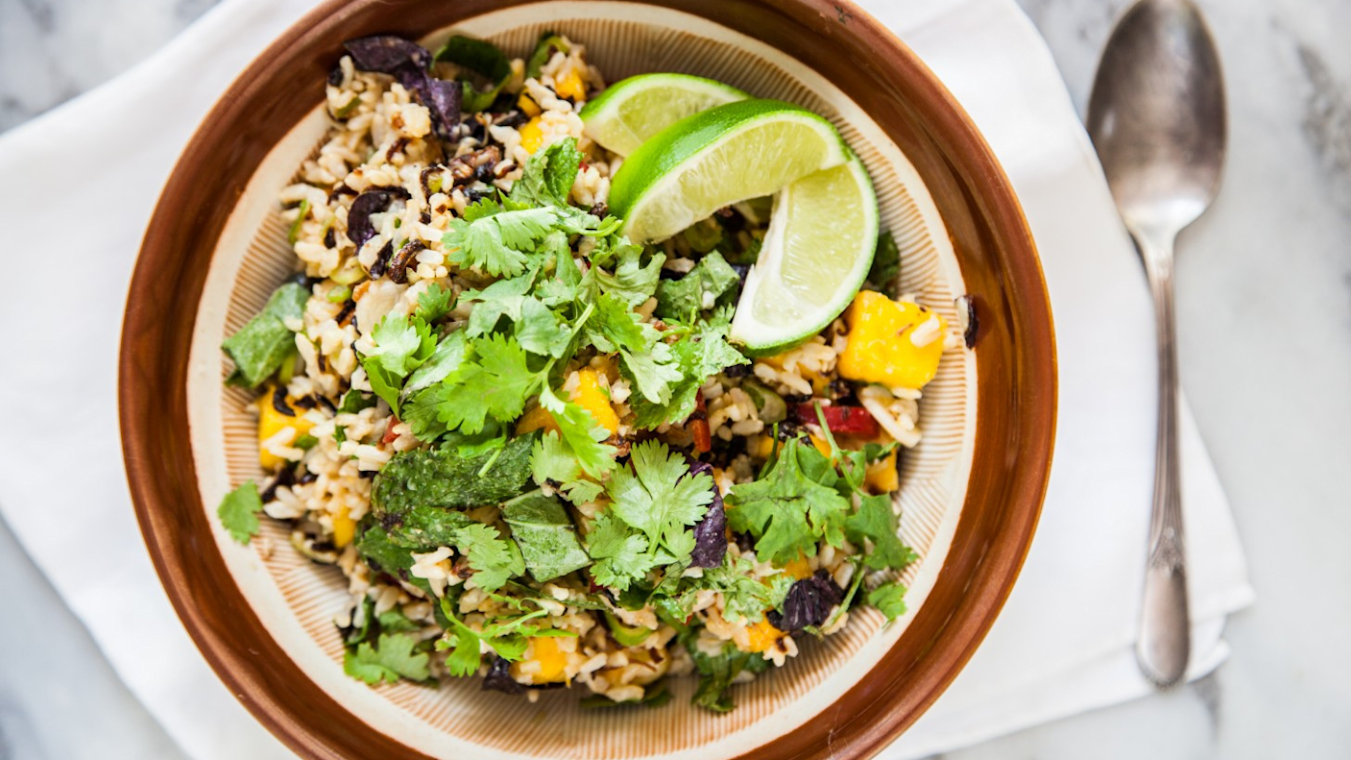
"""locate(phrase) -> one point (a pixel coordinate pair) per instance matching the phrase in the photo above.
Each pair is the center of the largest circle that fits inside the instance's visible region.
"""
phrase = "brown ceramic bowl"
(971, 492)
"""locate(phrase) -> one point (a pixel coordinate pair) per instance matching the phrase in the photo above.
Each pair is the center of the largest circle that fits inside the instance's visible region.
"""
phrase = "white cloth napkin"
(78, 188)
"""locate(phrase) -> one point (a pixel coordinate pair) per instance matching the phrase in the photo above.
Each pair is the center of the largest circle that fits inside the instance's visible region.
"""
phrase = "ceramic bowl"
(971, 492)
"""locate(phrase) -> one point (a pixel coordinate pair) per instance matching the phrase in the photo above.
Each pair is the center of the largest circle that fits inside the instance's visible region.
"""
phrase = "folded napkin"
(84, 178)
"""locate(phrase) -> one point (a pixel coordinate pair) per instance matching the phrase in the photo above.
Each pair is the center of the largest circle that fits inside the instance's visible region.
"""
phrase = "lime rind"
(718, 157)
(820, 244)
(630, 111)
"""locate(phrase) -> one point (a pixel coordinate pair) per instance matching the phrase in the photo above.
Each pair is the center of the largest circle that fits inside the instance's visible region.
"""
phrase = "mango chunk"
(799, 568)
(881, 476)
(527, 105)
(553, 661)
(762, 636)
(532, 136)
(891, 343)
(536, 419)
(271, 422)
(593, 398)
(344, 528)
(571, 86)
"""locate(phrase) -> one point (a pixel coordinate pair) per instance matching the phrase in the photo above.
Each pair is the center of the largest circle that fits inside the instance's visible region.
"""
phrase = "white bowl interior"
(296, 599)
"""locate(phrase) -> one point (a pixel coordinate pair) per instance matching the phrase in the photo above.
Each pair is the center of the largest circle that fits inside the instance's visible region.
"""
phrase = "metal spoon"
(1157, 119)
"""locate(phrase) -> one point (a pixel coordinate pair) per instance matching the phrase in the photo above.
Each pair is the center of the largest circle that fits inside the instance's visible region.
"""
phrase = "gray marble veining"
(1264, 290)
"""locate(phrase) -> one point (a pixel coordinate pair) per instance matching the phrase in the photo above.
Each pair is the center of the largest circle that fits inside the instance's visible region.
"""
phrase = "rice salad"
(528, 442)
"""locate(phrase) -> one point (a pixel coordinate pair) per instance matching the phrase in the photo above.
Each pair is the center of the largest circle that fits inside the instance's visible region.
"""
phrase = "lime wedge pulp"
(820, 243)
(718, 157)
(634, 109)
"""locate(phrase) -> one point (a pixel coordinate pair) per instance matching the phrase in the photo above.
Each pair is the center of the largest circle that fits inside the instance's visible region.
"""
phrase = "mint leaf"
(238, 512)
(260, 347)
(547, 178)
(886, 266)
(546, 537)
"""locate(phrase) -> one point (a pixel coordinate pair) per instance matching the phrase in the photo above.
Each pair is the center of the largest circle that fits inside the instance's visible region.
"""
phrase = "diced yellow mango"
(799, 568)
(762, 636)
(881, 476)
(528, 105)
(532, 136)
(271, 422)
(344, 528)
(553, 662)
(571, 86)
(880, 347)
(593, 398)
(821, 445)
(760, 447)
(536, 419)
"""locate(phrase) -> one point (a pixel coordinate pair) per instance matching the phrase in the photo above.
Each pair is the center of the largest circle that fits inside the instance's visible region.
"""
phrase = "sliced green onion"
(339, 294)
(345, 111)
(294, 234)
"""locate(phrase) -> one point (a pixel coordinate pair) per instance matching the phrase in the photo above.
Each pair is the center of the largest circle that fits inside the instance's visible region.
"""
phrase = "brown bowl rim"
(161, 473)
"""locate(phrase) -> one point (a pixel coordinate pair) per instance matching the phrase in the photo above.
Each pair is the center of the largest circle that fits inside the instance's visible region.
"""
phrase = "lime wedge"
(718, 157)
(634, 109)
(816, 253)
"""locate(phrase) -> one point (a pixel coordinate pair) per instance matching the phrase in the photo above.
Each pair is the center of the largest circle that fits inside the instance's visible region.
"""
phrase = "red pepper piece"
(846, 420)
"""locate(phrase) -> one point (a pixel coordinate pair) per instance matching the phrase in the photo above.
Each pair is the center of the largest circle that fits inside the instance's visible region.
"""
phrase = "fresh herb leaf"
(581, 434)
(389, 660)
(701, 353)
(238, 512)
(789, 510)
(401, 344)
(546, 536)
(876, 522)
(656, 494)
(394, 621)
(886, 266)
(293, 234)
(490, 555)
(422, 528)
(632, 282)
(354, 401)
(495, 384)
(497, 239)
(483, 58)
(889, 598)
(553, 463)
(548, 42)
(547, 178)
(261, 346)
(448, 357)
(620, 554)
(434, 303)
(698, 290)
(644, 358)
(716, 675)
(445, 479)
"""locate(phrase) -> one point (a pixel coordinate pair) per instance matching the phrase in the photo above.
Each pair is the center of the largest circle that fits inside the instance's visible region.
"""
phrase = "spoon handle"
(1165, 630)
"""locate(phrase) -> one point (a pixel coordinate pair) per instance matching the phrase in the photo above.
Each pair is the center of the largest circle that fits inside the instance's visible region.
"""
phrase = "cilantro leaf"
(547, 178)
(889, 598)
(581, 433)
(238, 512)
(698, 290)
(619, 554)
(449, 355)
(876, 521)
(553, 462)
(788, 511)
(716, 674)
(632, 282)
(489, 554)
(497, 239)
(645, 359)
(495, 384)
(434, 302)
(389, 660)
(745, 597)
(384, 383)
(700, 354)
(401, 344)
(656, 495)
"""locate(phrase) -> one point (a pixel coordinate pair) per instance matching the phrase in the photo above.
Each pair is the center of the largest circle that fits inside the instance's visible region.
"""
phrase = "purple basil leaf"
(359, 227)
(809, 602)
(440, 96)
(710, 533)
(498, 678)
(387, 54)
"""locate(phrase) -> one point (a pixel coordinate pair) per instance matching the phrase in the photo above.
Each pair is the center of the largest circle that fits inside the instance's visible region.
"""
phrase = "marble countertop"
(1264, 311)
